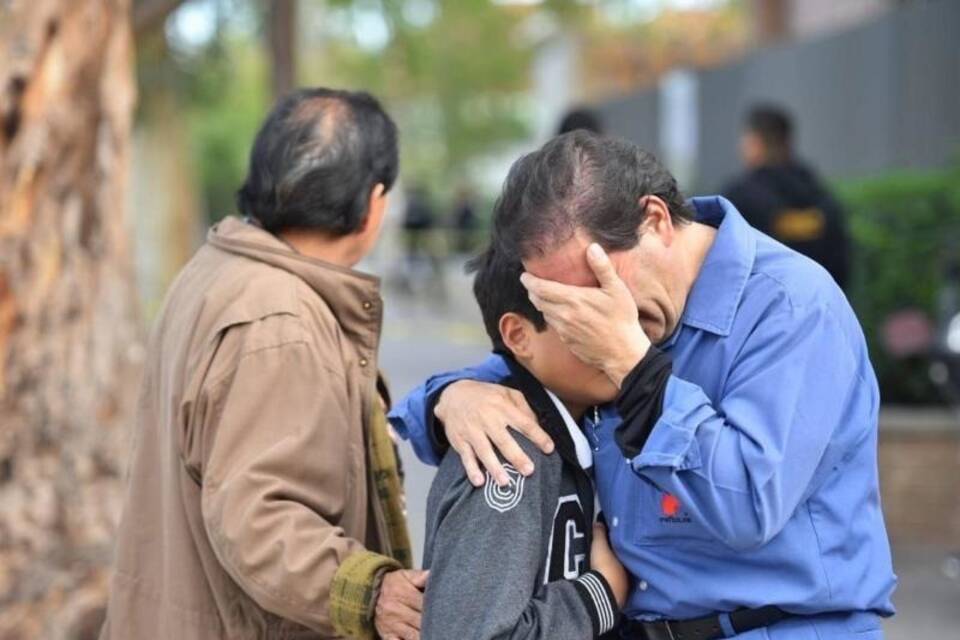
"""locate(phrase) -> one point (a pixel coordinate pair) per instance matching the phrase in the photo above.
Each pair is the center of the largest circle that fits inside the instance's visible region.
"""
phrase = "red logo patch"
(669, 505)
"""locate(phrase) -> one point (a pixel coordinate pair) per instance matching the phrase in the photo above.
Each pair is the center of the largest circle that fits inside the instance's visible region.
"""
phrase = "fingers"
(601, 266)
(399, 621)
(399, 588)
(402, 632)
(510, 450)
(535, 434)
(547, 290)
(481, 436)
(399, 605)
(469, 460)
(526, 423)
(409, 594)
(489, 460)
(419, 579)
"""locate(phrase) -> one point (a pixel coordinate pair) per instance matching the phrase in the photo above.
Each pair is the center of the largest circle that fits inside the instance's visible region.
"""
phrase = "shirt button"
(363, 362)
(643, 585)
(616, 520)
(367, 305)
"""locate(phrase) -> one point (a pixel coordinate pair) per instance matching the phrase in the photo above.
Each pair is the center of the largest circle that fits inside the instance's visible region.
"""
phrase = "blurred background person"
(422, 271)
(464, 221)
(580, 118)
(783, 197)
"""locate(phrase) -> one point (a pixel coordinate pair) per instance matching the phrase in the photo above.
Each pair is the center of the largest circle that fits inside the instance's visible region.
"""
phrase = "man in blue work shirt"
(737, 471)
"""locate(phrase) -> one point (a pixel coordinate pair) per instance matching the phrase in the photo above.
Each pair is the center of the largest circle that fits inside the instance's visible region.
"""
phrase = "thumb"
(419, 578)
(602, 268)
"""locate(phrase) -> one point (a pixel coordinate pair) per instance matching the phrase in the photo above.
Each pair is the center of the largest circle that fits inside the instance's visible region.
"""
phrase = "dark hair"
(581, 180)
(316, 159)
(580, 118)
(498, 290)
(773, 125)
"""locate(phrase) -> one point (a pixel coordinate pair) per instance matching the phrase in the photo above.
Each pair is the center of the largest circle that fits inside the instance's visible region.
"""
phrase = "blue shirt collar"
(716, 293)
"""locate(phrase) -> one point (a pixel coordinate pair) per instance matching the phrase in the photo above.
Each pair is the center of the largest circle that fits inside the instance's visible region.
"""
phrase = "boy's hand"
(605, 562)
(400, 605)
(477, 417)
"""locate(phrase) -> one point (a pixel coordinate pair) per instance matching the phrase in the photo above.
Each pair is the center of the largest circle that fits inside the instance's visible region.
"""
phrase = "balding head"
(581, 182)
(316, 159)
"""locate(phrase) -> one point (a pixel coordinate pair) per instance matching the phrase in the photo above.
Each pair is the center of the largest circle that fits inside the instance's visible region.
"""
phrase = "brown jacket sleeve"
(275, 479)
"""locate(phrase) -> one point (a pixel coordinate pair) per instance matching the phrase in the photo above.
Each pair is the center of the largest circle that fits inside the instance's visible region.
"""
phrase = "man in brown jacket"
(264, 499)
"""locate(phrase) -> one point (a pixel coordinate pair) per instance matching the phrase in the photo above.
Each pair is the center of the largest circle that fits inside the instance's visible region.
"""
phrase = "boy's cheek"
(590, 386)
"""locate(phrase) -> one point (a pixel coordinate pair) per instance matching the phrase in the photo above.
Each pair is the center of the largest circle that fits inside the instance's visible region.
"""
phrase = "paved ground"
(426, 335)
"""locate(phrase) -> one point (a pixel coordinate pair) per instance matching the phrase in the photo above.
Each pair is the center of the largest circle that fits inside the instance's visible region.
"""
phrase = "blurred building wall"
(555, 75)
(880, 96)
(807, 18)
(919, 462)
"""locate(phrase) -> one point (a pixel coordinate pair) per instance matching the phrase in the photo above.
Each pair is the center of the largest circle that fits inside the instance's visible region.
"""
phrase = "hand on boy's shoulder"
(481, 421)
(499, 498)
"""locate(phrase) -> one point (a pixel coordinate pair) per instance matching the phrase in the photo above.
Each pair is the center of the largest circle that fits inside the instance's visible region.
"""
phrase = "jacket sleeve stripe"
(592, 586)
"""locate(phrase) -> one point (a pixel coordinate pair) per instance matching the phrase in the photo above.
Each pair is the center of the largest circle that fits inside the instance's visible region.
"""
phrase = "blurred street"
(424, 337)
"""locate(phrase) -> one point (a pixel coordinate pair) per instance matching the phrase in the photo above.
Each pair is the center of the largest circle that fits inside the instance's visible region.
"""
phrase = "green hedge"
(902, 225)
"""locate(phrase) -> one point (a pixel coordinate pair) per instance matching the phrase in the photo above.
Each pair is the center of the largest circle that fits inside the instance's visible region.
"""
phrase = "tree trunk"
(283, 46)
(771, 20)
(69, 335)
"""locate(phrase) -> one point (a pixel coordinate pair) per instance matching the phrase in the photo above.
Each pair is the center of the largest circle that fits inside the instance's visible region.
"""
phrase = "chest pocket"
(639, 513)
(665, 519)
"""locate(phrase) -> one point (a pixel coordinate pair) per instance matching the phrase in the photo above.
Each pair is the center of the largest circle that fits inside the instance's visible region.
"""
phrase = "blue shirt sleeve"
(744, 464)
(409, 416)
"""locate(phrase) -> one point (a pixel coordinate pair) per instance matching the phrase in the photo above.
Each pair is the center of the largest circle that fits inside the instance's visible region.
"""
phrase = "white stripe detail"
(504, 498)
(600, 600)
(607, 605)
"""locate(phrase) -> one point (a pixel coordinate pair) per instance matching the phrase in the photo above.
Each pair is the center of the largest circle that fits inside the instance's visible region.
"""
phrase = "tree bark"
(69, 332)
(282, 38)
(150, 14)
(771, 21)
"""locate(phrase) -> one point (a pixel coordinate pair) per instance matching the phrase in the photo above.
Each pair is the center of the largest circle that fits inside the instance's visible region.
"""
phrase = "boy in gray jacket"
(524, 561)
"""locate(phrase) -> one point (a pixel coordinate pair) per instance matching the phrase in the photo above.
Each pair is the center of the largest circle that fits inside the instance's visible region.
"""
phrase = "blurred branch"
(282, 35)
(149, 14)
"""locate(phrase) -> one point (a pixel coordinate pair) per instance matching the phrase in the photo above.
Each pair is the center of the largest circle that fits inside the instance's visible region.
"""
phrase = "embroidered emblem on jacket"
(504, 498)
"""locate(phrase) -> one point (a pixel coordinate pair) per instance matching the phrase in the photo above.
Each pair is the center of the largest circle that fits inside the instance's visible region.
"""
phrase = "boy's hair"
(498, 290)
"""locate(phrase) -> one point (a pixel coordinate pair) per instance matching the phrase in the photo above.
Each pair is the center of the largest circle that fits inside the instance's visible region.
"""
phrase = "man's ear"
(657, 219)
(376, 207)
(515, 333)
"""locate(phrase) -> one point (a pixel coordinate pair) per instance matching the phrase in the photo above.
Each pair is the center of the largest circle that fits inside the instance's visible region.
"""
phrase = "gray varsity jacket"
(512, 563)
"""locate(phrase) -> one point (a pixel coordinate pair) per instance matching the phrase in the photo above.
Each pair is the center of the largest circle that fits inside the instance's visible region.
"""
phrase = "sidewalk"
(928, 603)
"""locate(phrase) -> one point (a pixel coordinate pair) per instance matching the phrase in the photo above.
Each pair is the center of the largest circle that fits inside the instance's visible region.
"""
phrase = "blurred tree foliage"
(455, 74)
(452, 73)
(220, 87)
(905, 226)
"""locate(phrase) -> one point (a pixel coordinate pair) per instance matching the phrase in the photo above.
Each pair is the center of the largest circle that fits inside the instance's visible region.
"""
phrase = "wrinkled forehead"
(566, 263)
